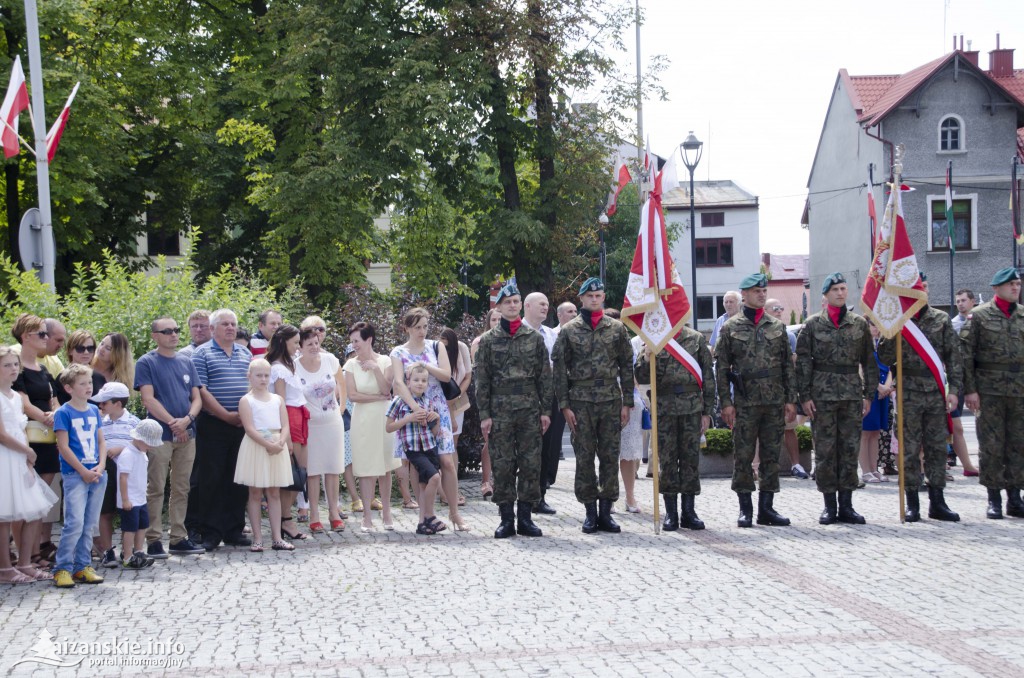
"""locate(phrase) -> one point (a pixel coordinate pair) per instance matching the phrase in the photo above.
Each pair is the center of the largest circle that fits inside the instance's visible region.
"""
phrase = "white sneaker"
(799, 472)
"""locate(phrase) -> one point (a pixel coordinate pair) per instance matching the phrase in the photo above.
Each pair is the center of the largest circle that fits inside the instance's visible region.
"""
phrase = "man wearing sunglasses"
(170, 389)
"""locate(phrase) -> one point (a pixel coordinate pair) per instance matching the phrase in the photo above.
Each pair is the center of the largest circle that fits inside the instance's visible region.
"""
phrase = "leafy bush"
(803, 436)
(719, 442)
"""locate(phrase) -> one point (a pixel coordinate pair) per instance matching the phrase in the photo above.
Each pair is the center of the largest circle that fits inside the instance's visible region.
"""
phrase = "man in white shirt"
(566, 311)
(732, 304)
(535, 312)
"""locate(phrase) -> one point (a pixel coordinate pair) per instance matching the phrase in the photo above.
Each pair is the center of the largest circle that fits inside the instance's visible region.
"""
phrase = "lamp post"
(691, 150)
(603, 255)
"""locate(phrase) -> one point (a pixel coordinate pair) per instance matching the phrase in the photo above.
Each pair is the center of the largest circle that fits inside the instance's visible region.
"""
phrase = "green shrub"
(803, 437)
(719, 442)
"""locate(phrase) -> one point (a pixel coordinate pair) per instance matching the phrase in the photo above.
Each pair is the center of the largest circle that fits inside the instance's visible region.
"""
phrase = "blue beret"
(754, 280)
(591, 285)
(509, 290)
(1005, 275)
(831, 280)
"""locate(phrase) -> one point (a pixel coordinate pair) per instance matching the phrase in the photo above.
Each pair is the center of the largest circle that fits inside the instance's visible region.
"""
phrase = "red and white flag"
(873, 219)
(655, 305)
(623, 177)
(57, 130)
(14, 103)
(894, 291)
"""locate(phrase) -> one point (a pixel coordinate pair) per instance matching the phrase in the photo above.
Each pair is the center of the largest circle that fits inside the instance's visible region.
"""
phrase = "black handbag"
(298, 478)
(450, 388)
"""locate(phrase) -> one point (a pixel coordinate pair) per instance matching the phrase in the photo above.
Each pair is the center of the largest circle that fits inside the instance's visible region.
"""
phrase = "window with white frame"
(951, 134)
(965, 220)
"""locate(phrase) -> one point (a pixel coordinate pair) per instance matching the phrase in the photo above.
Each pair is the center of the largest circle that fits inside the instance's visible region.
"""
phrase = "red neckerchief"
(758, 314)
(833, 313)
(1005, 306)
(513, 326)
(595, 317)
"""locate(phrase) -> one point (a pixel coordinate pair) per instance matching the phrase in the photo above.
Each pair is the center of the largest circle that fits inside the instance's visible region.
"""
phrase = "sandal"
(376, 504)
(436, 524)
(296, 536)
(425, 528)
(462, 499)
(47, 551)
(9, 575)
(316, 527)
(338, 525)
(34, 572)
(257, 547)
(282, 546)
(40, 562)
(357, 506)
(411, 505)
(303, 516)
(486, 490)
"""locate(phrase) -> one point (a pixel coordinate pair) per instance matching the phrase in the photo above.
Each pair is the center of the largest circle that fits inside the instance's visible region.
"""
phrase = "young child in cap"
(118, 424)
(132, 472)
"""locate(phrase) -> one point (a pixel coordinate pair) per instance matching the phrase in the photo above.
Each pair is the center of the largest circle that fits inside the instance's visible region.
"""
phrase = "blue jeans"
(82, 503)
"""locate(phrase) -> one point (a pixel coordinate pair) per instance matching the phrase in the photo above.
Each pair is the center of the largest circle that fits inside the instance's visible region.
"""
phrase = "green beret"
(1005, 275)
(591, 285)
(831, 280)
(754, 280)
(509, 290)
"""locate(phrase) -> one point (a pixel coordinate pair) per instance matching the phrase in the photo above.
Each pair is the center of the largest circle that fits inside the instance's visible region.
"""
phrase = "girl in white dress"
(264, 461)
(24, 497)
(631, 446)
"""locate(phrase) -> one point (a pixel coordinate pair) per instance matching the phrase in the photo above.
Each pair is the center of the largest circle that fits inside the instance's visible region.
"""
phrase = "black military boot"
(524, 524)
(912, 513)
(766, 513)
(937, 509)
(544, 508)
(746, 516)
(846, 513)
(688, 514)
(1014, 504)
(507, 527)
(605, 522)
(995, 505)
(671, 521)
(590, 522)
(828, 516)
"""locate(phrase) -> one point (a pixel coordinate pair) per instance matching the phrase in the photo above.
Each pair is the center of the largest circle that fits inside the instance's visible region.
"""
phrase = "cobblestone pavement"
(879, 599)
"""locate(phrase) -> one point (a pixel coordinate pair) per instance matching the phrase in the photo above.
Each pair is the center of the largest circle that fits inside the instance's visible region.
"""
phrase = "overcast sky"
(753, 79)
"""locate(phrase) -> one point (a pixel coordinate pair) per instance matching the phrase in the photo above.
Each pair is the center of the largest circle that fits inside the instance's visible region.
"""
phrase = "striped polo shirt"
(224, 376)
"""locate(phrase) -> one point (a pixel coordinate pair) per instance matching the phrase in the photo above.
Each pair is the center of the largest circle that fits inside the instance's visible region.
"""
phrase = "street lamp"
(691, 150)
(603, 256)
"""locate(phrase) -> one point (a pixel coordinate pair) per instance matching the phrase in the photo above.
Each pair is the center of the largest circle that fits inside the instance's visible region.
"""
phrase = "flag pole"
(951, 230)
(654, 441)
(28, 146)
(899, 421)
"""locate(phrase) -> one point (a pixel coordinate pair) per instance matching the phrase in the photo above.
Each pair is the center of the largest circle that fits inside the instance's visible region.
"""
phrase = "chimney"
(1000, 61)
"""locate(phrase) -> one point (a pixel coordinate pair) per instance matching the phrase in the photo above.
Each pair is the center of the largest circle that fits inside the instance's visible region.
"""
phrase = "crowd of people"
(237, 426)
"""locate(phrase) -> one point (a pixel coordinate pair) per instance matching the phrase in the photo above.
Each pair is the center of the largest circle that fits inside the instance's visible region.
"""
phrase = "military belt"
(763, 374)
(523, 388)
(837, 369)
(678, 389)
(910, 372)
(592, 382)
(1000, 367)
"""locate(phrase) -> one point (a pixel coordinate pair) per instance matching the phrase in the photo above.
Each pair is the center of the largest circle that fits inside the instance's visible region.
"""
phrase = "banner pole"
(899, 424)
(654, 441)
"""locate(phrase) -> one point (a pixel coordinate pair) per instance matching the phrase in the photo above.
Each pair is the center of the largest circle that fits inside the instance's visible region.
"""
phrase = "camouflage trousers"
(764, 424)
(924, 423)
(515, 445)
(1001, 442)
(835, 430)
(598, 434)
(679, 453)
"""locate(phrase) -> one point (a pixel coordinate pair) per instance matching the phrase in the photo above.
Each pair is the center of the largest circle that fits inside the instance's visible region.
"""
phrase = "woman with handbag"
(418, 351)
(368, 377)
(38, 391)
(486, 489)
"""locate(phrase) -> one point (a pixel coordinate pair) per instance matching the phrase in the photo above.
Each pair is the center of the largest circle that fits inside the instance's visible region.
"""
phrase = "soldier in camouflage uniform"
(925, 408)
(836, 374)
(753, 357)
(684, 413)
(994, 390)
(513, 389)
(593, 374)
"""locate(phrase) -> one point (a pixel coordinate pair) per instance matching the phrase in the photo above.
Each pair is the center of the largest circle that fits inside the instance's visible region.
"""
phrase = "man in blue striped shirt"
(216, 507)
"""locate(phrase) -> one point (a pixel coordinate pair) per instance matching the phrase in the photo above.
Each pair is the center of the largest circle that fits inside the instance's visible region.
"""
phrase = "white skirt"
(258, 468)
(23, 494)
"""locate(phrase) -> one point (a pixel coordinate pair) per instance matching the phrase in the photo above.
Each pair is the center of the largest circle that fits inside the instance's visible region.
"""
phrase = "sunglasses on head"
(168, 331)
(86, 349)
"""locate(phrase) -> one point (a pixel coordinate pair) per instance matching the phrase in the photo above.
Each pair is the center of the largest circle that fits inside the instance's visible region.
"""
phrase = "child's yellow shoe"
(87, 575)
(62, 579)
(376, 505)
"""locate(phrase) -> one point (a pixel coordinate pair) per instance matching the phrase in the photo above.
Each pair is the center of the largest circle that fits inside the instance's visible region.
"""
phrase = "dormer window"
(951, 134)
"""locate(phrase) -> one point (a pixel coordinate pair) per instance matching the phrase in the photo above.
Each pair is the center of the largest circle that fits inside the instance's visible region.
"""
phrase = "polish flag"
(53, 136)
(14, 103)
(623, 177)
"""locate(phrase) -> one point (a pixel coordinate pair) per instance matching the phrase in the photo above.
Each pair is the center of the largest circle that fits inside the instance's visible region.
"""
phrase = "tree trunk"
(544, 149)
(11, 175)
